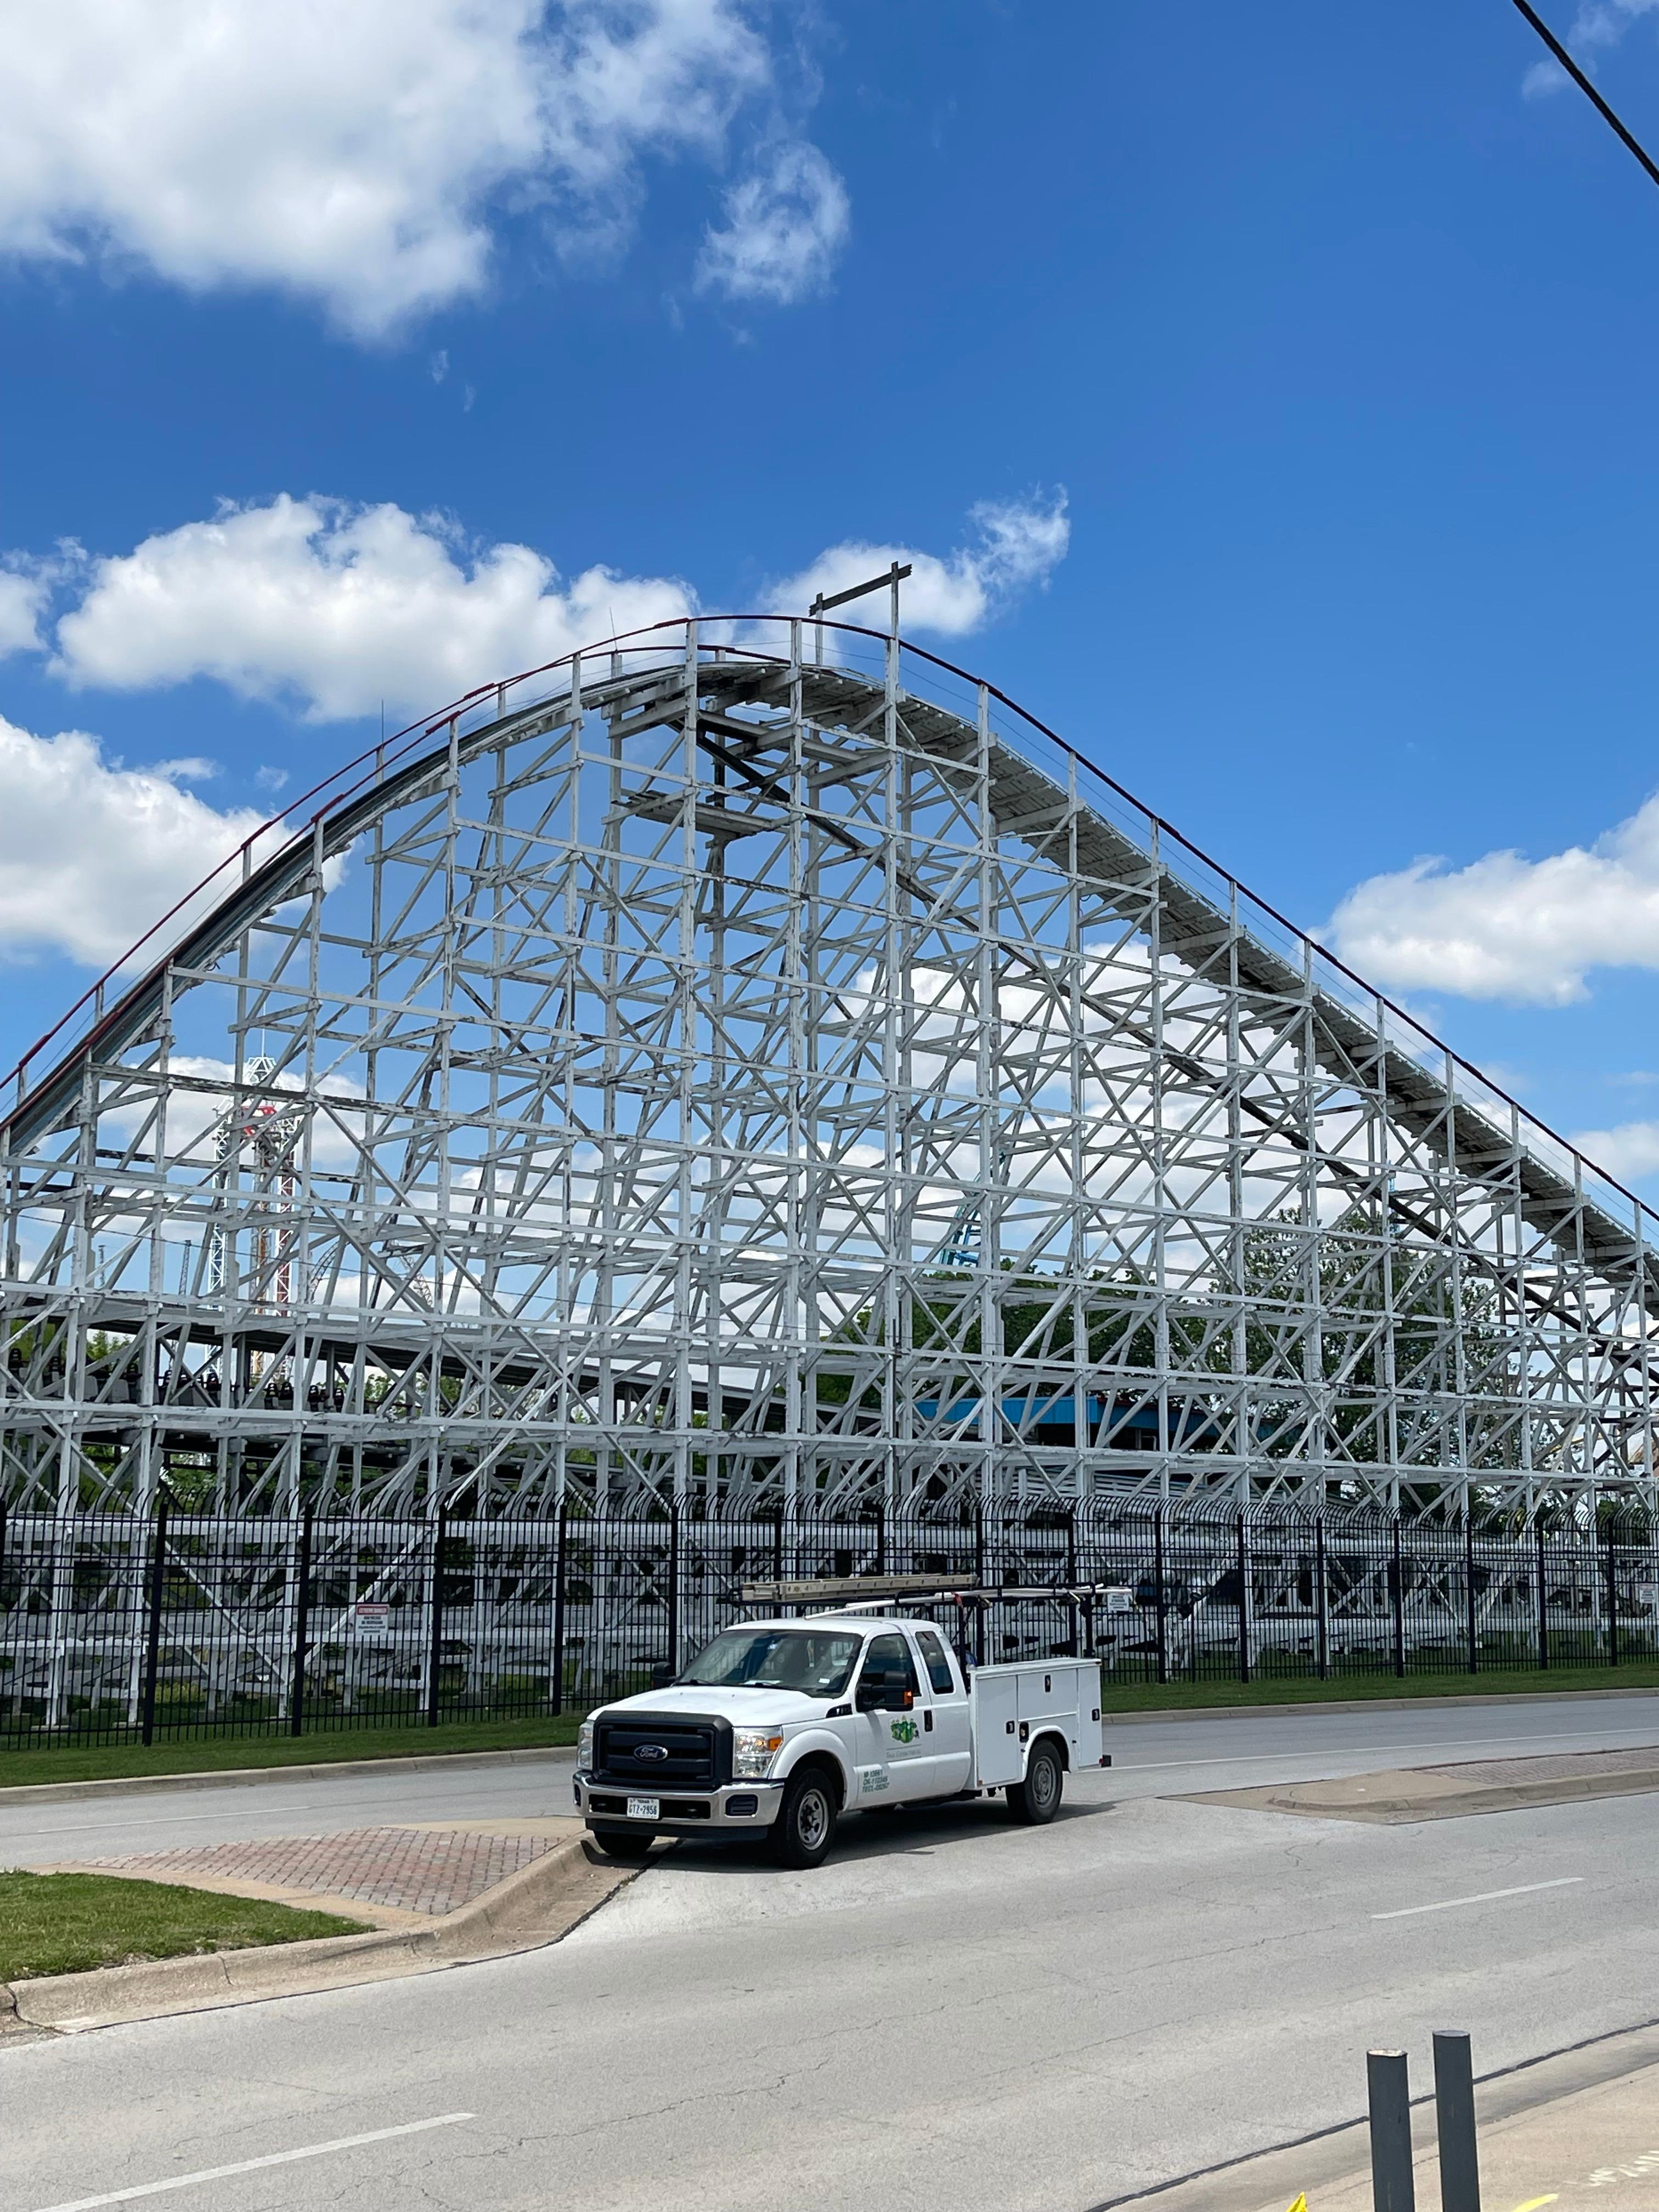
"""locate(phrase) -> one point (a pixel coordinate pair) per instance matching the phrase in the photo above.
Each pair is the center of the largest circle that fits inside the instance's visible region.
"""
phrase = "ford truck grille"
(661, 1755)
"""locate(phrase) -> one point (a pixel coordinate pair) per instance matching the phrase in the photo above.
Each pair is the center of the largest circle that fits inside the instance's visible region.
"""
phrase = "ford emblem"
(652, 1751)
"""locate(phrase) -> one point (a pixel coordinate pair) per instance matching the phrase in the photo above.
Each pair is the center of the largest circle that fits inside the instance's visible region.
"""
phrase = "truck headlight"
(585, 1746)
(753, 1750)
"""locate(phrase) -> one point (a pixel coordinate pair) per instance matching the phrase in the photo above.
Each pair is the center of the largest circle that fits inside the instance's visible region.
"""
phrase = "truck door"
(891, 1744)
(947, 1736)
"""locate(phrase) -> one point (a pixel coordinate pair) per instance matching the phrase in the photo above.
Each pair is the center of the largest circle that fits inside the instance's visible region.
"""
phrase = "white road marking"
(1481, 1897)
(254, 2165)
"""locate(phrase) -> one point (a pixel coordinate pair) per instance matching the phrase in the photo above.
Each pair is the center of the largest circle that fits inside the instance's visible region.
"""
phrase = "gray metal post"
(1454, 2105)
(1389, 2097)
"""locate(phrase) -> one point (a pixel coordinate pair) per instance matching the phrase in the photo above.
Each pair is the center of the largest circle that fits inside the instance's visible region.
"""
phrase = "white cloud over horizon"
(329, 607)
(94, 853)
(1015, 544)
(333, 608)
(363, 157)
(1628, 1153)
(1508, 927)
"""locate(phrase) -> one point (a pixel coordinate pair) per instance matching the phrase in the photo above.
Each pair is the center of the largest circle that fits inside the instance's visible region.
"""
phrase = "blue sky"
(1271, 392)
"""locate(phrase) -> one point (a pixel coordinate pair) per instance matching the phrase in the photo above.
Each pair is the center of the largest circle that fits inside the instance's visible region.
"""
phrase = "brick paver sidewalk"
(413, 1870)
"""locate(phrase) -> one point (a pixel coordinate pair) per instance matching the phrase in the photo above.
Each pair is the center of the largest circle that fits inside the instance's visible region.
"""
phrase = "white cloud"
(1508, 927)
(359, 154)
(1015, 544)
(1627, 1152)
(335, 608)
(339, 607)
(1604, 23)
(23, 595)
(1598, 24)
(784, 226)
(94, 853)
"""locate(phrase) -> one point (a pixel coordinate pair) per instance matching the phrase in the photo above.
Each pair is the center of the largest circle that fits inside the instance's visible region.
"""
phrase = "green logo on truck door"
(905, 1731)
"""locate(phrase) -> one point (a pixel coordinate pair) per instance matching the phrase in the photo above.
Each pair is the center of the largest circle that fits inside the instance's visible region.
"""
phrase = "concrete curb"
(531, 1909)
(243, 1777)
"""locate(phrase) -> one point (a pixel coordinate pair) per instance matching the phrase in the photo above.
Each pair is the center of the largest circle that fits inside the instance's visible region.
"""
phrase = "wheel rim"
(1045, 1783)
(812, 1818)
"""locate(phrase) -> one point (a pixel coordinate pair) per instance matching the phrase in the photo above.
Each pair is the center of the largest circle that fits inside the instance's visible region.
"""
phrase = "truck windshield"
(777, 1659)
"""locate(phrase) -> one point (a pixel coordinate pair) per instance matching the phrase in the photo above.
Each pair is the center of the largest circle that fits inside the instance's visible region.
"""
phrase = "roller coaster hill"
(747, 1093)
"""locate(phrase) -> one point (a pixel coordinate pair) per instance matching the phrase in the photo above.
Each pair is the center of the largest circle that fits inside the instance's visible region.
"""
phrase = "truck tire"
(805, 1826)
(631, 1844)
(1036, 1800)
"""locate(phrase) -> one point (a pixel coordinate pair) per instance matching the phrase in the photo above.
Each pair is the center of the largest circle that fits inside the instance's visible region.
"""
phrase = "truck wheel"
(801, 1834)
(1036, 1800)
(633, 1844)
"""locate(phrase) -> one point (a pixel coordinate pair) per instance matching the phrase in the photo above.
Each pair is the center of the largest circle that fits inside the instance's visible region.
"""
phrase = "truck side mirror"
(871, 1696)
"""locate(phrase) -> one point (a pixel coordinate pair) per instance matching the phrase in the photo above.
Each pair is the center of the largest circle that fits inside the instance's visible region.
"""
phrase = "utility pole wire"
(1587, 88)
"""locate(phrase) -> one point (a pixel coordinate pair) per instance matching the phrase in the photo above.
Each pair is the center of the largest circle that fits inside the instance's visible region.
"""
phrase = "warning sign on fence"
(371, 1623)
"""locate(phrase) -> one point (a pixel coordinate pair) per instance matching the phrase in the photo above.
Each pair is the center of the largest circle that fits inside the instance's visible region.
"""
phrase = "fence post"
(1613, 1603)
(1243, 1603)
(1454, 2110)
(674, 1584)
(881, 1537)
(17, 1707)
(435, 1626)
(1399, 1579)
(979, 1581)
(296, 1696)
(1071, 1578)
(557, 1684)
(1468, 1588)
(1543, 1600)
(1321, 1601)
(158, 1578)
(1163, 1597)
(1393, 2188)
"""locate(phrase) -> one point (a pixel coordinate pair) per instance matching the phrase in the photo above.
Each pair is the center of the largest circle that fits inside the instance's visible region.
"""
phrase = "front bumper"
(735, 1807)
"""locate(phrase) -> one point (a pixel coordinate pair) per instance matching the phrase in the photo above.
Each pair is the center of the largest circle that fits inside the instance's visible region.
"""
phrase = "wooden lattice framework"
(756, 1063)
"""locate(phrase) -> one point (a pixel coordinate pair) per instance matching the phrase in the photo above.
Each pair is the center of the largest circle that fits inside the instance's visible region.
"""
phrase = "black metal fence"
(114, 1629)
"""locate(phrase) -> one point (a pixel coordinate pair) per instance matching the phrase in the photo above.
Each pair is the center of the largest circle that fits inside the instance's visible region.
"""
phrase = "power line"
(1588, 88)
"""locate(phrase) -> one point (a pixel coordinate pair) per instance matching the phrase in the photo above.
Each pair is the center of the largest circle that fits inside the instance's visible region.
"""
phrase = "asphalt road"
(1152, 1758)
(954, 2011)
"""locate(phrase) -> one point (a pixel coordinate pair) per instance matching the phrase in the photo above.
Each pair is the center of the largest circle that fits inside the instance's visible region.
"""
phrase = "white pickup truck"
(782, 1726)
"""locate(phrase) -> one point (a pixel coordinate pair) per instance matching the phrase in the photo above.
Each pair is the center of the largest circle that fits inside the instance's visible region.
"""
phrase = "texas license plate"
(645, 1808)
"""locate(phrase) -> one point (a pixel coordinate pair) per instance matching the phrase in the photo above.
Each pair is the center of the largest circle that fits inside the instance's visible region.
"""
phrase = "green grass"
(65, 1923)
(72, 1762)
(1308, 1690)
